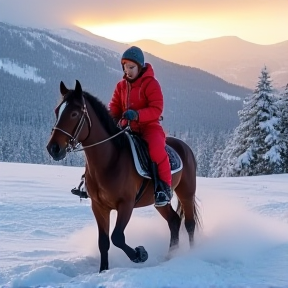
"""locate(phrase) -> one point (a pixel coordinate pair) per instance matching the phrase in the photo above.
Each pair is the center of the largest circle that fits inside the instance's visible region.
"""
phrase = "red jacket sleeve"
(155, 102)
(115, 106)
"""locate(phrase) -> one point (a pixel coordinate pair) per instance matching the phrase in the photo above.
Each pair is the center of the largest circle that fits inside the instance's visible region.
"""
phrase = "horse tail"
(179, 210)
(197, 216)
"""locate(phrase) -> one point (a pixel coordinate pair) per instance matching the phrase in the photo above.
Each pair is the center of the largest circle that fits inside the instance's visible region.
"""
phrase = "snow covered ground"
(49, 239)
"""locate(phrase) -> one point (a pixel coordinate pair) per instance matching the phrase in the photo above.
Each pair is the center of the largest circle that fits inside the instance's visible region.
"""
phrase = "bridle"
(73, 144)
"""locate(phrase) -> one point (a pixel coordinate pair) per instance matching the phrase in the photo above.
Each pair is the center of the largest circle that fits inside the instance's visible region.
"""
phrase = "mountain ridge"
(241, 67)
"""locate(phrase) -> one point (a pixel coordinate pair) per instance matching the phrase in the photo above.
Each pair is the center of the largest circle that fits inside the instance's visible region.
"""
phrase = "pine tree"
(267, 137)
(283, 103)
(255, 147)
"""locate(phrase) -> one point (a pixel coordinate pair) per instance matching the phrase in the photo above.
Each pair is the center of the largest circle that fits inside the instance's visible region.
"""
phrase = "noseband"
(73, 144)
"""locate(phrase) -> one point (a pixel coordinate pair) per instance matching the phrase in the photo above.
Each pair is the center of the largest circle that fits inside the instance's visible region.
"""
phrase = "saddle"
(142, 160)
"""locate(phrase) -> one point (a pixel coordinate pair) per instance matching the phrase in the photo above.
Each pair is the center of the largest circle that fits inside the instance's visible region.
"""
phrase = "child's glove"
(130, 115)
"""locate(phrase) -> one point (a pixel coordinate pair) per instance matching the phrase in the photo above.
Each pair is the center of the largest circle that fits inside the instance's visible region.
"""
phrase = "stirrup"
(80, 193)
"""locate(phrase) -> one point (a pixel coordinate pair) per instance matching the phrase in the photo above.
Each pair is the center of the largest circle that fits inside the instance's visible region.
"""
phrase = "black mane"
(105, 118)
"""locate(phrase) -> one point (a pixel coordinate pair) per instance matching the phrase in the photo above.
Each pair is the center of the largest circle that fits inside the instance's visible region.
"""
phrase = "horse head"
(71, 116)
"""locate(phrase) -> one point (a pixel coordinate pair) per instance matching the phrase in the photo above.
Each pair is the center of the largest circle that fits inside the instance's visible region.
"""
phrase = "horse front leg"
(103, 220)
(137, 255)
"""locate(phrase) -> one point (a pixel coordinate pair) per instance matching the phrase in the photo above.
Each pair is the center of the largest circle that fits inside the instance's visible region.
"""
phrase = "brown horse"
(111, 177)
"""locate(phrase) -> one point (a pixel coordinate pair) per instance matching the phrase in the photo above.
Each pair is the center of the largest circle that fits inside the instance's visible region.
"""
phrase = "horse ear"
(78, 88)
(63, 89)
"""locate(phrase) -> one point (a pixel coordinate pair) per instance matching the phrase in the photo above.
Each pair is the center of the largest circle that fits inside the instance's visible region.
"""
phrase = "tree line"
(257, 146)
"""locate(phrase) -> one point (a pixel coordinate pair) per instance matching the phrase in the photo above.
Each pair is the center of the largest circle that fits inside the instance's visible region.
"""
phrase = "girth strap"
(141, 190)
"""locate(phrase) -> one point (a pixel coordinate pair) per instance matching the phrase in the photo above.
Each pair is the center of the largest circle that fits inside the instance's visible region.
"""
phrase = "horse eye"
(74, 114)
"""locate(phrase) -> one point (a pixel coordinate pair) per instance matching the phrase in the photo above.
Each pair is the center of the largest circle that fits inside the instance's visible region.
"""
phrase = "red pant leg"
(155, 137)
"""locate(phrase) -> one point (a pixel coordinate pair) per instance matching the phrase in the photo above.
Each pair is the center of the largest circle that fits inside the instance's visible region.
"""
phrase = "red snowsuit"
(144, 95)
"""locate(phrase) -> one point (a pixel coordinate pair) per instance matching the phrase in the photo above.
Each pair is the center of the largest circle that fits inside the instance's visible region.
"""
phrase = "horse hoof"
(141, 255)
(173, 248)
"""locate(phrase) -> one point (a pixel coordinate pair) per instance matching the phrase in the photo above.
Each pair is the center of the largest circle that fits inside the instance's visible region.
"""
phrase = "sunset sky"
(166, 21)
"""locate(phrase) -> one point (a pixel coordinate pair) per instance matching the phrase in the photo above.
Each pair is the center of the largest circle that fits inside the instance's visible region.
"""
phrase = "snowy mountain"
(81, 35)
(41, 59)
(231, 58)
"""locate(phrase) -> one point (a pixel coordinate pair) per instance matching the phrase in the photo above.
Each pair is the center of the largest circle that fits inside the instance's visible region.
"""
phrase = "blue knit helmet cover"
(134, 54)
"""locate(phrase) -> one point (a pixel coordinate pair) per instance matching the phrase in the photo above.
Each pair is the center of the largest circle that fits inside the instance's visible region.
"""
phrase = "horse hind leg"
(188, 210)
(174, 223)
(190, 227)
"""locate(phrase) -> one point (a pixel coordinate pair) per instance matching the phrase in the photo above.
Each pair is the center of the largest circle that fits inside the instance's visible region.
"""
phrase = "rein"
(73, 142)
(76, 149)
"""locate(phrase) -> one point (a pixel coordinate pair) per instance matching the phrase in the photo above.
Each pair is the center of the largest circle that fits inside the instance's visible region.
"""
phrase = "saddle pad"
(142, 159)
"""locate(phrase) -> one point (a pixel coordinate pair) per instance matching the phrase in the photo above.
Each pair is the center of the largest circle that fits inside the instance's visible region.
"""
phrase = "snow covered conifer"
(283, 103)
(255, 147)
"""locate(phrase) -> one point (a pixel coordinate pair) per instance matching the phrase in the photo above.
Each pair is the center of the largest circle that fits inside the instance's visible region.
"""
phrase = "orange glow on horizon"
(167, 32)
(164, 32)
(256, 21)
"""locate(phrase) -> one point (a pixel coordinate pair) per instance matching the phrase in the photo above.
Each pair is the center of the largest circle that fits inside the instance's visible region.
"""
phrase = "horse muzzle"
(56, 151)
